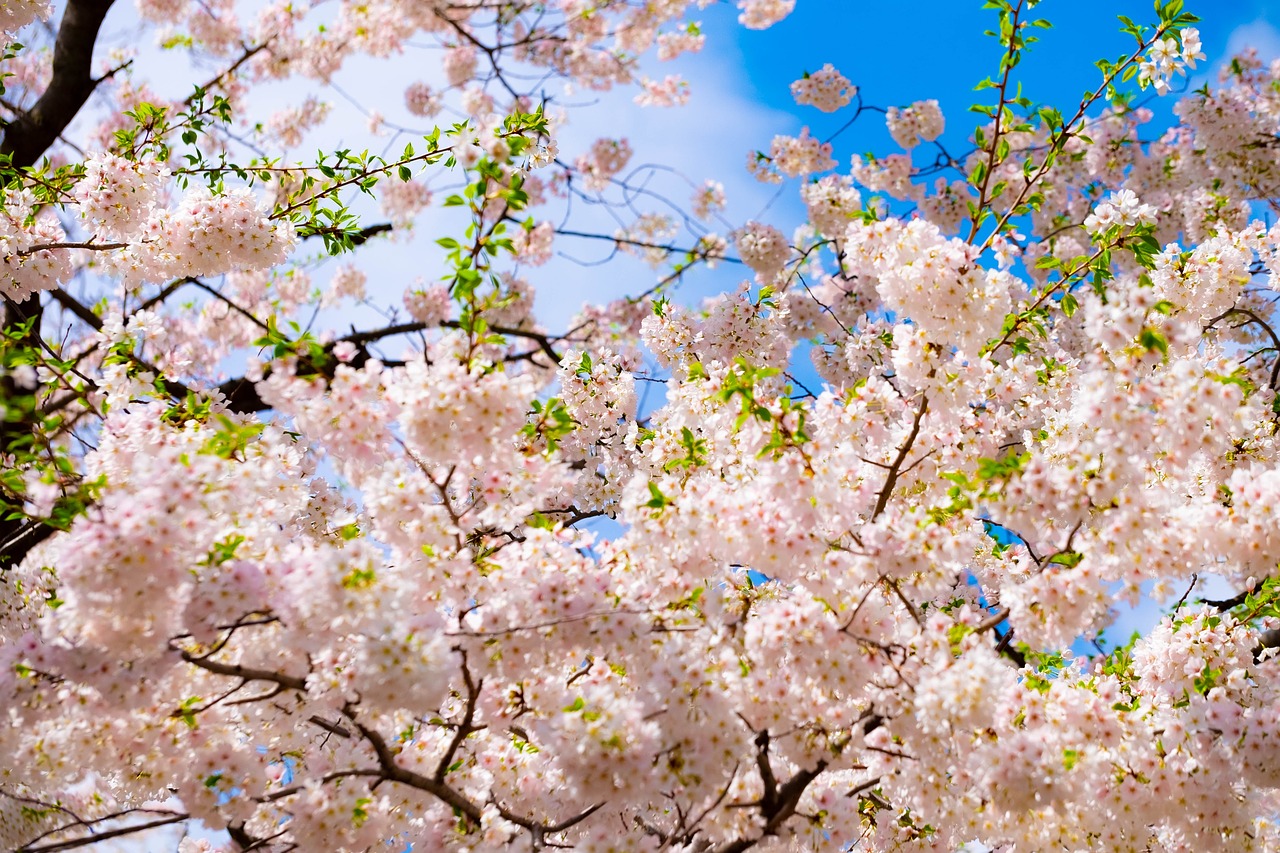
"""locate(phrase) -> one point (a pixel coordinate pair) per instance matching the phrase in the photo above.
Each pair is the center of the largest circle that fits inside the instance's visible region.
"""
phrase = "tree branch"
(234, 670)
(895, 468)
(104, 835)
(467, 726)
(395, 773)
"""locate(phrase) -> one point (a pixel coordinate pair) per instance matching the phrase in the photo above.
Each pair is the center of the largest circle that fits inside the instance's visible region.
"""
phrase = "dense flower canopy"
(323, 580)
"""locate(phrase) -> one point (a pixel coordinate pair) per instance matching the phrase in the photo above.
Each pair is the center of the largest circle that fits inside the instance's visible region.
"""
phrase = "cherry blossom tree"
(331, 590)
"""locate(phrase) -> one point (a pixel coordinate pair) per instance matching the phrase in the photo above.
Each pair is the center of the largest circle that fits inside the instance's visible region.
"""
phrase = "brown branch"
(242, 396)
(992, 621)
(18, 536)
(285, 793)
(779, 809)
(88, 245)
(104, 835)
(331, 728)
(646, 244)
(466, 727)
(572, 821)
(28, 136)
(230, 303)
(895, 468)
(1228, 603)
(1251, 317)
(395, 773)
(767, 780)
(249, 53)
(233, 670)
(76, 307)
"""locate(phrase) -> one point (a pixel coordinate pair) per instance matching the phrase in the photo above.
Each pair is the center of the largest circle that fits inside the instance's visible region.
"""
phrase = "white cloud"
(1259, 34)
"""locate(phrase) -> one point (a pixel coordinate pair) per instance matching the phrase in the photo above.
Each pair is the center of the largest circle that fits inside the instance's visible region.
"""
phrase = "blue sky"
(901, 52)
(896, 53)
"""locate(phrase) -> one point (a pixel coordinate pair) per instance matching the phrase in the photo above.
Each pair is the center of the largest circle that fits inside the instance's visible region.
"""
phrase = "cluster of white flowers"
(209, 233)
(920, 122)
(16, 14)
(117, 196)
(826, 89)
(712, 248)
(933, 280)
(763, 248)
(891, 174)
(400, 635)
(25, 267)
(948, 205)
(347, 283)
(1166, 58)
(687, 40)
(421, 100)
(762, 14)
(290, 124)
(401, 201)
(607, 158)
(1121, 208)
(600, 394)
(124, 201)
(708, 199)
(460, 65)
(648, 237)
(428, 305)
(794, 156)
(831, 202)
(533, 246)
(670, 91)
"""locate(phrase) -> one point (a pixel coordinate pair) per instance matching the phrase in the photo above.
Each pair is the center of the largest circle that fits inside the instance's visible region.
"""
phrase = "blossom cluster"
(708, 199)
(29, 259)
(831, 202)
(606, 159)
(920, 122)
(792, 156)
(421, 100)
(290, 124)
(826, 89)
(1167, 57)
(670, 91)
(117, 196)
(762, 14)
(459, 581)
(687, 40)
(934, 280)
(763, 248)
(1122, 209)
(14, 16)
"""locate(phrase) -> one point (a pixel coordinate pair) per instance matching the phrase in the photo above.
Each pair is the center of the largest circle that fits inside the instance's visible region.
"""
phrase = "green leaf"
(1069, 559)
(1153, 341)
